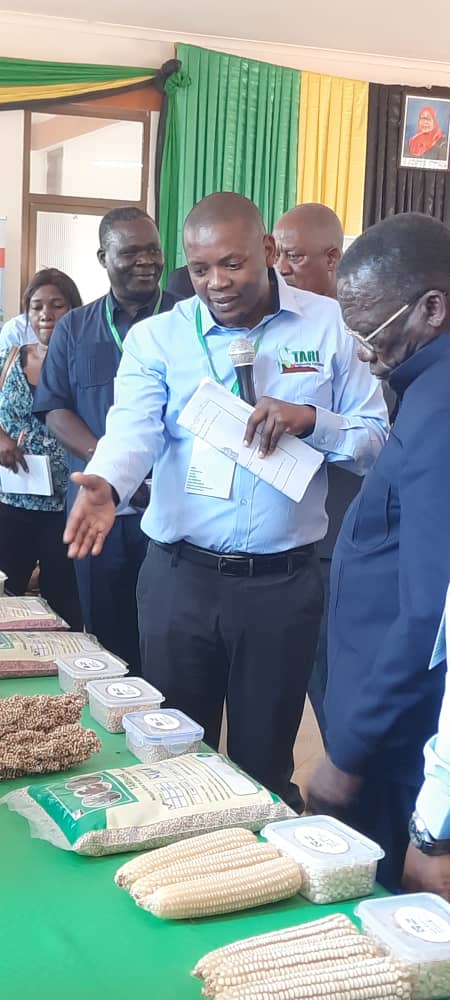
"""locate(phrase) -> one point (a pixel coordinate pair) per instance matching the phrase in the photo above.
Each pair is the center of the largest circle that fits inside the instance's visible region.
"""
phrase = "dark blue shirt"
(82, 362)
(389, 578)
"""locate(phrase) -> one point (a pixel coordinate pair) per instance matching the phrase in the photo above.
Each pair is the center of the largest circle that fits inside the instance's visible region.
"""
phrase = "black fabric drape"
(389, 188)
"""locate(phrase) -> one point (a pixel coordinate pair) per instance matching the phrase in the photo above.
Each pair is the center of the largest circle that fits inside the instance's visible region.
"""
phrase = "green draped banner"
(25, 80)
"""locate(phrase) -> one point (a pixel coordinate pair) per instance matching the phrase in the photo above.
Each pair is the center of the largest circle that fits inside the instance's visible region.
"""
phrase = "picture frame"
(425, 133)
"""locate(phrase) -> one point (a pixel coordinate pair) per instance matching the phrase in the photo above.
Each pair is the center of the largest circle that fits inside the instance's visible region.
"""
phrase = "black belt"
(235, 564)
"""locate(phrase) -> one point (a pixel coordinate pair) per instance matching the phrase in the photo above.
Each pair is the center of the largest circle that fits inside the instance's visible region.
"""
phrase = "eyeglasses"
(366, 340)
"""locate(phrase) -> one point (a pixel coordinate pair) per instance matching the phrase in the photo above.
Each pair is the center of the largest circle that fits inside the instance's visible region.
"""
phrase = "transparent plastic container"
(74, 672)
(110, 700)
(3, 579)
(415, 929)
(336, 861)
(155, 736)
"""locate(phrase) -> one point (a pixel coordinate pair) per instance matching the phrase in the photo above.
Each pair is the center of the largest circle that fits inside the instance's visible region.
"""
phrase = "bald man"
(230, 595)
(309, 243)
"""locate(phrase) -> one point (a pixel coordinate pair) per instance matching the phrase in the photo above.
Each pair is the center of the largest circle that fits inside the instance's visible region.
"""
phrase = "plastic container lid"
(113, 693)
(163, 727)
(416, 927)
(82, 667)
(322, 842)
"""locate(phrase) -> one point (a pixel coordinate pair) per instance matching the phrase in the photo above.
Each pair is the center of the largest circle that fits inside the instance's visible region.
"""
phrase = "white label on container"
(420, 923)
(122, 690)
(87, 663)
(315, 838)
(163, 723)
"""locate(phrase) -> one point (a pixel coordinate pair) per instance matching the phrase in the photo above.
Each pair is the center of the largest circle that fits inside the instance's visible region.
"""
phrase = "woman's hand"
(11, 456)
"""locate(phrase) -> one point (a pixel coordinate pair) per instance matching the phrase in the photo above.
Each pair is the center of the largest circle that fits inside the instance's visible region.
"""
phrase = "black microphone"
(242, 356)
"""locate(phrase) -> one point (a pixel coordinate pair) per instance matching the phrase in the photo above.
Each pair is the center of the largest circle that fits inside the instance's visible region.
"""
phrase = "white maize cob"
(336, 924)
(200, 866)
(227, 891)
(373, 979)
(268, 963)
(207, 843)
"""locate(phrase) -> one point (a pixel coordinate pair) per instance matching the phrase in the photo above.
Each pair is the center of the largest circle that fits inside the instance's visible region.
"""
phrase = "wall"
(29, 37)
(11, 144)
(63, 39)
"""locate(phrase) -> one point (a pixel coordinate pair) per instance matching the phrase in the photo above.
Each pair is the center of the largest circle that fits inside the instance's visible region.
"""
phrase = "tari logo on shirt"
(295, 362)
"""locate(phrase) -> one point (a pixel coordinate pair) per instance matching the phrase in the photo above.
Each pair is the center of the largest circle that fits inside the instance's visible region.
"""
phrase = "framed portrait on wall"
(425, 133)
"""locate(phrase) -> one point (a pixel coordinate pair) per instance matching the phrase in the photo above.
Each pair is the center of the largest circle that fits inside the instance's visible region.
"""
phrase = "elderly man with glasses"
(391, 563)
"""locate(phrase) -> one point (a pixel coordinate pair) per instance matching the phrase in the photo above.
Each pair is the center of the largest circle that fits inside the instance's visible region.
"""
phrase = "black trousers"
(29, 536)
(107, 589)
(318, 680)
(207, 638)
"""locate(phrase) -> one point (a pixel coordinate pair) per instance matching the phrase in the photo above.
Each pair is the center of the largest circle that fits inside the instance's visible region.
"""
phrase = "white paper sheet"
(37, 481)
(218, 417)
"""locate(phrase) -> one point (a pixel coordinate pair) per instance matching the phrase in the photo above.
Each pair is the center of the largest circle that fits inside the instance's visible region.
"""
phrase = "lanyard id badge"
(207, 353)
(112, 326)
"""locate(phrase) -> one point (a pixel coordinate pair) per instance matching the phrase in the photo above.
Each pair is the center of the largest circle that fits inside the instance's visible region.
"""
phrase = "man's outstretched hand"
(91, 518)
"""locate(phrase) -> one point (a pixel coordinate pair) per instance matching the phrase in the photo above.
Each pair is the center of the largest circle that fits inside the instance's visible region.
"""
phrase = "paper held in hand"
(37, 481)
(217, 416)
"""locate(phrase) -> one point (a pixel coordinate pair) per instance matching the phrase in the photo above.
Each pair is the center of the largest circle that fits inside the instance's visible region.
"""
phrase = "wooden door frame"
(32, 203)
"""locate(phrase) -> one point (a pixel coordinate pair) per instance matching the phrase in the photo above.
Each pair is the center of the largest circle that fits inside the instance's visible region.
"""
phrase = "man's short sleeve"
(54, 390)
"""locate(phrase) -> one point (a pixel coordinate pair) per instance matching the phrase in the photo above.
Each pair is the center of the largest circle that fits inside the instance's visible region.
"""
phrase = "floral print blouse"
(16, 414)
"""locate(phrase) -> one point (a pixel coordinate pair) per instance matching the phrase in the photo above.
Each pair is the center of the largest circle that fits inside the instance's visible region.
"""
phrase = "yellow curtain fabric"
(18, 95)
(332, 146)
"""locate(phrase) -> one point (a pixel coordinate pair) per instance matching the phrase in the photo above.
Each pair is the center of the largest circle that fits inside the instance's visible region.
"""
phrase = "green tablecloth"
(67, 932)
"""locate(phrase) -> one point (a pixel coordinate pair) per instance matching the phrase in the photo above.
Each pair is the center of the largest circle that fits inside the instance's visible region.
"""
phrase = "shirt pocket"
(96, 364)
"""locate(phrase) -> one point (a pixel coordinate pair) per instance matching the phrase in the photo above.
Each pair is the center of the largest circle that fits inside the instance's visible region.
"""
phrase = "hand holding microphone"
(242, 356)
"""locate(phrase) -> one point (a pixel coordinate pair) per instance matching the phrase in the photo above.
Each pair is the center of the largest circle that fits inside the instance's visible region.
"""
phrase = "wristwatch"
(421, 838)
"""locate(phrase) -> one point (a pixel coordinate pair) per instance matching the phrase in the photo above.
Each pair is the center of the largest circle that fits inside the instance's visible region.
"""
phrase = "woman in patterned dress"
(32, 526)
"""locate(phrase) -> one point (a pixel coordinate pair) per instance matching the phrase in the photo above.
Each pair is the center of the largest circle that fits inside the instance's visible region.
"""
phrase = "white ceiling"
(395, 28)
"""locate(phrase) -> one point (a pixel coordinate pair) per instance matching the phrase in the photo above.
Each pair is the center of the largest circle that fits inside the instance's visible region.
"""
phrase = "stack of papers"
(218, 417)
(37, 481)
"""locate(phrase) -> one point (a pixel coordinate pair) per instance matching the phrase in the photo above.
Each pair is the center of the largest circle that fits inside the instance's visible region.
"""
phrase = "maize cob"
(373, 979)
(207, 843)
(335, 925)
(227, 891)
(200, 866)
(267, 963)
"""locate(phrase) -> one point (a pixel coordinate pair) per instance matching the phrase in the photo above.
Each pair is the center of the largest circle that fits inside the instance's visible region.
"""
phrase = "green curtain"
(232, 125)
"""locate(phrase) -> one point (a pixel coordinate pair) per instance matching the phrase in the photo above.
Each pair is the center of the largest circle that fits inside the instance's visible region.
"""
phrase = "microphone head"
(241, 352)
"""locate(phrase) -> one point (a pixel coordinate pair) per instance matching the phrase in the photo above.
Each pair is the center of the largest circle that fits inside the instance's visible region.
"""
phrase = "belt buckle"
(230, 560)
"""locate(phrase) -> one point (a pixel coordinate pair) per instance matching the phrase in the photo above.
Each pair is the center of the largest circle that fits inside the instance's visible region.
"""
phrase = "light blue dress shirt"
(16, 332)
(433, 803)
(304, 356)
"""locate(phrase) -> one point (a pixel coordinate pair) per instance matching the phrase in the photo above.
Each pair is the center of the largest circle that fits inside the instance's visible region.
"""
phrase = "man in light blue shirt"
(427, 865)
(230, 595)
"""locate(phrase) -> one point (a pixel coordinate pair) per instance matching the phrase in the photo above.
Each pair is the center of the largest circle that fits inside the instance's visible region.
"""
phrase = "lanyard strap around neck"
(112, 326)
(206, 351)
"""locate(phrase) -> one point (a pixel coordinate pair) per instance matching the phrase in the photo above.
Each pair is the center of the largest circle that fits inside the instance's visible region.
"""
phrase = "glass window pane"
(70, 242)
(86, 157)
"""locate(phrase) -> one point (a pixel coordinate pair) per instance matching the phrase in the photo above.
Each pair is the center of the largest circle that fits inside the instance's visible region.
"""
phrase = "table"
(66, 931)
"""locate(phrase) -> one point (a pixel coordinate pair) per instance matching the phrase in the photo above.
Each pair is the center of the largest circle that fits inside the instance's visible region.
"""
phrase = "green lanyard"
(204, 347)
(112, 326)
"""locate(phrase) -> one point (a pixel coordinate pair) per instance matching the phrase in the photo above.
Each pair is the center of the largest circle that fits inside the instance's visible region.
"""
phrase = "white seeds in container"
(337, 862)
